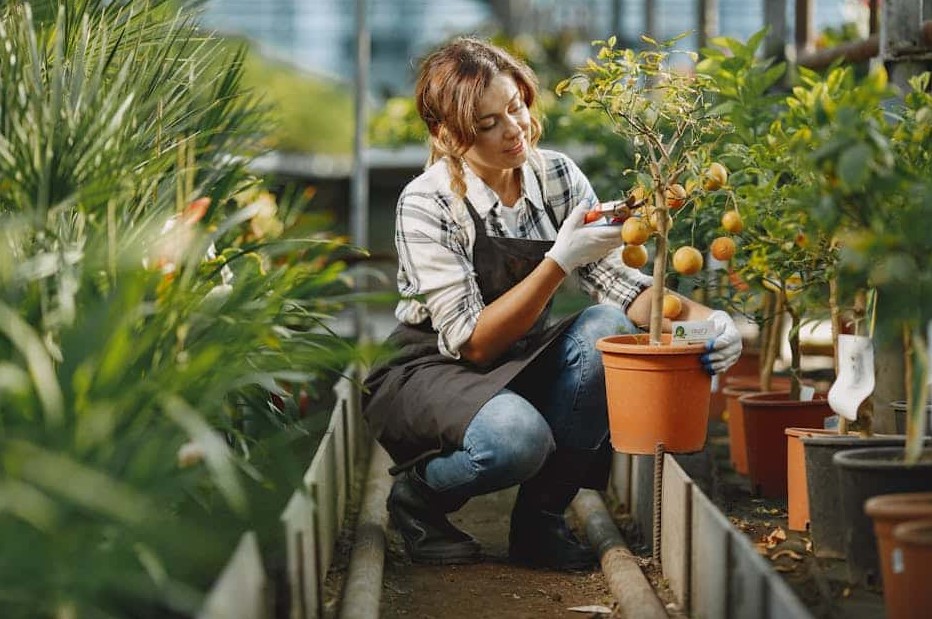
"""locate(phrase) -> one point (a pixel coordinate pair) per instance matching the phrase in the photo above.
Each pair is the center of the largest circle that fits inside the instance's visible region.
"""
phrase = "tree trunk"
(660, 267)
(795, 357)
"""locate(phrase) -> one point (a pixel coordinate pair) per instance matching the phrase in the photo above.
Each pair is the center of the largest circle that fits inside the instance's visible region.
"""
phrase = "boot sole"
(465, 553)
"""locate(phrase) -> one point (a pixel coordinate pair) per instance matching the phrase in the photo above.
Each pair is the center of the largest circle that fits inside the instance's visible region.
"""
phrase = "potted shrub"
(875, 193)
(666, 115)
(743, 86)
(783, 257)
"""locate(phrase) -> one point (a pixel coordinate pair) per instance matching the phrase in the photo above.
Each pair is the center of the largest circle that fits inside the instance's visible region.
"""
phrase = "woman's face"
(502, 130)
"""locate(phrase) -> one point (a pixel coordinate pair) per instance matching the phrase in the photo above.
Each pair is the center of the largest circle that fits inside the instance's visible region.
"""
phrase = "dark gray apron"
(419, 402)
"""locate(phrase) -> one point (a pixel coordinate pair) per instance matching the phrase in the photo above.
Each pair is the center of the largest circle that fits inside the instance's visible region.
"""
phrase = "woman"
(483, 392)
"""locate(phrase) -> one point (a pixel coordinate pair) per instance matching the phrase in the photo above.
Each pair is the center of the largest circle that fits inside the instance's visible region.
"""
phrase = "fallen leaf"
(761, 547)
(846, 592)
(786, 552)
(809, 545)
(592, 609)
(775, 537)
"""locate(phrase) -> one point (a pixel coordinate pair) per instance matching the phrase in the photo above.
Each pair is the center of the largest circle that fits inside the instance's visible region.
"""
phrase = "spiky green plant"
(140, 339)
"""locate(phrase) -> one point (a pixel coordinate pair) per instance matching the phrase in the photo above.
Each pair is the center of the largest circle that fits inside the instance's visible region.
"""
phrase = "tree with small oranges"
(668, 119)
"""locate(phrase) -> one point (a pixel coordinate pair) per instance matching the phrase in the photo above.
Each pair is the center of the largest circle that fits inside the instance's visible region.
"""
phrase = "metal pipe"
(360, 597)
(629, 586)
(359, 190)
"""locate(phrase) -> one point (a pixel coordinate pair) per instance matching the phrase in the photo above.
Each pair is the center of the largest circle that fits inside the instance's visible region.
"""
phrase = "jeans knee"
(598, 321)
(521, 440)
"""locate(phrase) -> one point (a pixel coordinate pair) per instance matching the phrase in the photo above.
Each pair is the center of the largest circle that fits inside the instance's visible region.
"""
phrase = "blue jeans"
(558, 401)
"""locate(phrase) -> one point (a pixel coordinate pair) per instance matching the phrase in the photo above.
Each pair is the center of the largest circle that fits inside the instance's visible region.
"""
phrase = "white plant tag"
(715, 383)
(692, 331)
(806, 393)
(855, 379)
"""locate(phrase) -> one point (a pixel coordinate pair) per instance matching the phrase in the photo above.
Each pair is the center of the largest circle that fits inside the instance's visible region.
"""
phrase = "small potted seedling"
(665, 114)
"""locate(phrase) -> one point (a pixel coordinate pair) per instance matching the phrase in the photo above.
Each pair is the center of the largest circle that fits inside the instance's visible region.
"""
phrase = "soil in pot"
(865, 473)
(825, 526)
(915, 539)
(656, 394)
(767, 415)
(887, 511)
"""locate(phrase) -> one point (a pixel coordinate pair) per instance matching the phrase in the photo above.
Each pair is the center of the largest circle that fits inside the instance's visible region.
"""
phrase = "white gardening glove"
(577, 244)
(723, 350)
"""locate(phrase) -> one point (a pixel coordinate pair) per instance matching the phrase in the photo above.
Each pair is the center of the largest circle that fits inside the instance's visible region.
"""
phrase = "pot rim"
(761, 397)
(900, 406)
(638, 344)
(877, 440)
(901, 505)
(873, 458)
(918, 532)
(804, 433)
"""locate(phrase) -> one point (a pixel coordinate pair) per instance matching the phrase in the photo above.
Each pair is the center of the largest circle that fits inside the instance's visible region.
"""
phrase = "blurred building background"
(318, 35)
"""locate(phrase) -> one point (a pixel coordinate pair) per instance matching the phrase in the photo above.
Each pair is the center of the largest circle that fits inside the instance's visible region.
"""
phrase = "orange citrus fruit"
(635, 231)
(732, 222)
(634, 255)
(676, 196)
(723, 248)
(716, 176)
(687, 260)
(672, 306)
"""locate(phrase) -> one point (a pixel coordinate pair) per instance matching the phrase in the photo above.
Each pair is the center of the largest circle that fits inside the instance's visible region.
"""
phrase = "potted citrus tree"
(875, 195)
(743, 85)
(664, 112)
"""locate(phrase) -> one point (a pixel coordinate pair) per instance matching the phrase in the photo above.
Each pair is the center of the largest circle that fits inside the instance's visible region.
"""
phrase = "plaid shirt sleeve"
(436, 278)
(609, 280)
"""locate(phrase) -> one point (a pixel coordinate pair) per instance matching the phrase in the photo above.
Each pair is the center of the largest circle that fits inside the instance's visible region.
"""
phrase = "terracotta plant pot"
(734, 389)
(767, 415)
(887, 511)
(915, 539)
(747, 366)
(862, 474)
(797, 493)
(825, 528)
(656, 394)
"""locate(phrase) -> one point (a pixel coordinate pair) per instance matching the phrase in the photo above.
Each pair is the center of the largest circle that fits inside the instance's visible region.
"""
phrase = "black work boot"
(419, 514)
(539, 535)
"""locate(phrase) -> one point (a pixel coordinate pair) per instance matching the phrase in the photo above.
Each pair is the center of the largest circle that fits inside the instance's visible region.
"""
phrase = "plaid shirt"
(434, 238)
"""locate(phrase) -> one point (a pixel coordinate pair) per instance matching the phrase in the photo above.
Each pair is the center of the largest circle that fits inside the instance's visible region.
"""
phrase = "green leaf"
(854, 165)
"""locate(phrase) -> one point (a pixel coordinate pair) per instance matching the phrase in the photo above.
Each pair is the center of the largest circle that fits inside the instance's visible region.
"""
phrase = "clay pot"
(915, 540)
(865, 473)
(887, 511)
(767, 415)
(656, 394)
(797, 493)
(746, 367)
(734, 389)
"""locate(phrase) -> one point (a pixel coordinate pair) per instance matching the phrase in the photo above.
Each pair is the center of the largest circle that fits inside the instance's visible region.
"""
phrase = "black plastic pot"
(825, 527)
(863, 473)
(899, 417)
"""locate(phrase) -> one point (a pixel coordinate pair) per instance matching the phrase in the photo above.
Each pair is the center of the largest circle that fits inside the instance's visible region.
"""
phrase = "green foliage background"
(136, 330)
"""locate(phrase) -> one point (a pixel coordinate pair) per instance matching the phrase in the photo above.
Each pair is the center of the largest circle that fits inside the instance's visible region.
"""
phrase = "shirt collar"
(483, 198)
